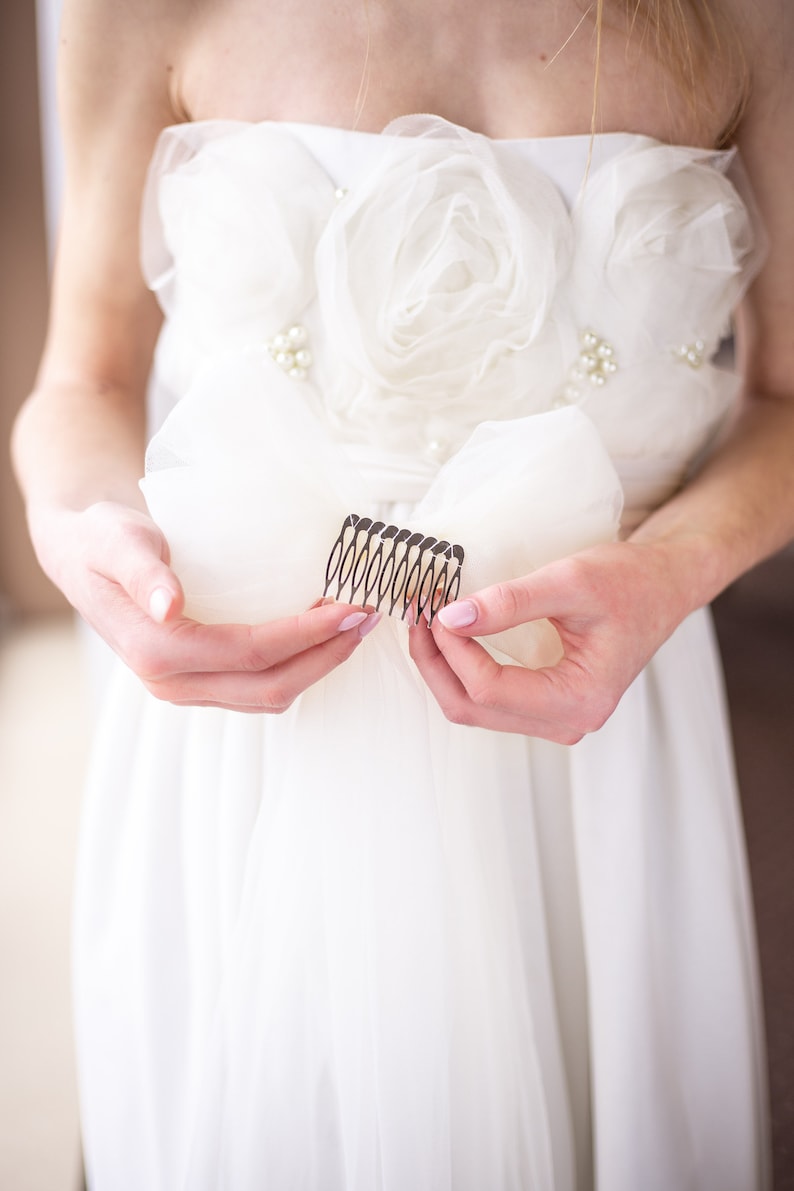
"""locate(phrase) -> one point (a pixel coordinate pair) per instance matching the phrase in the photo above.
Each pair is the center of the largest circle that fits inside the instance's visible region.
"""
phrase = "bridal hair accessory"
(398, 570)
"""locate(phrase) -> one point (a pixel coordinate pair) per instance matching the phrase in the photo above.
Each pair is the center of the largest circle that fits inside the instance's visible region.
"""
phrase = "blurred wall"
(23, 290)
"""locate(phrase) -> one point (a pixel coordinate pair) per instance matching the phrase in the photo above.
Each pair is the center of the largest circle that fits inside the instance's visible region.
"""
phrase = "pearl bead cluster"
(594, 367)
(291, 352)
(596, 360)
(692, 354)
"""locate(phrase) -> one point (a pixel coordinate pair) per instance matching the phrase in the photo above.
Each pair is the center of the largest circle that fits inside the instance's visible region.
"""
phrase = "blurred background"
(45, 707)
(44, 700)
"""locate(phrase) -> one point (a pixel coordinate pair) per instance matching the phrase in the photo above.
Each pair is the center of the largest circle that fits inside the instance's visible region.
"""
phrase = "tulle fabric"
(358, 947)
(415, 335)
(354, 947)
(518, 494)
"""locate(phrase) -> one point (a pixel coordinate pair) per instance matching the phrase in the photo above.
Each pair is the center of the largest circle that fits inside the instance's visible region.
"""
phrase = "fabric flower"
(240, 221)
(436, 270)
(663, 247)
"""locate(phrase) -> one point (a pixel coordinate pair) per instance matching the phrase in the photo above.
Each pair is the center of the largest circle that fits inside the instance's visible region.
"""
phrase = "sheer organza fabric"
(355, 947)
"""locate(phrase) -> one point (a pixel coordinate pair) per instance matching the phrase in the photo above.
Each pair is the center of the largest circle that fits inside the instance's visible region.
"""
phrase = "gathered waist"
(393, 480)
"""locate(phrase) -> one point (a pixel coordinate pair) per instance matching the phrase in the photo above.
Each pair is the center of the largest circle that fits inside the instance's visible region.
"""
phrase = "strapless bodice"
(443, 278)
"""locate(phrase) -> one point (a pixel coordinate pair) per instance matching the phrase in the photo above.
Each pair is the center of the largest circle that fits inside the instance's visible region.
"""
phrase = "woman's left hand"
(612, 607)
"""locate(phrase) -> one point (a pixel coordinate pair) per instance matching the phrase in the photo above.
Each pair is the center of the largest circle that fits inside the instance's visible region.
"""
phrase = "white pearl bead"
(596, 360)
(340, 193)
(691, 353)
(289, 350)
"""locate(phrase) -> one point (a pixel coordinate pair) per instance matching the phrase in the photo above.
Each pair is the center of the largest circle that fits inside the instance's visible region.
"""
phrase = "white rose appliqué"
(435, 270)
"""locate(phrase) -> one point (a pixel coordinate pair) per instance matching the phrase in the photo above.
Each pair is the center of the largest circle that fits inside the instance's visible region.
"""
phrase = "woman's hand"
(112, 564)
(612, 607)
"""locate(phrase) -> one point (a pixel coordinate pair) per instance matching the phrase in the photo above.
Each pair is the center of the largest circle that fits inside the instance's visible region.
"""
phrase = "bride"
(468, 908)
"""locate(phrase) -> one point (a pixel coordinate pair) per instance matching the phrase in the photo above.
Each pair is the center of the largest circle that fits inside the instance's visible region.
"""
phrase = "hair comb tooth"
(393, 568)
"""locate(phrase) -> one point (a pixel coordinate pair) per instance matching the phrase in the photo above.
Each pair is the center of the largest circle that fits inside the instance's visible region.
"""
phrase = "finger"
(273, 689)
(562, 702)
(488, 706)
(563, 589)
(184, 646)
(132, 552)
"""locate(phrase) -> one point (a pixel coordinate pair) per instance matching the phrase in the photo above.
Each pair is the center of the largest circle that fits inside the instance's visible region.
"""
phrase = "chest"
(505, 69)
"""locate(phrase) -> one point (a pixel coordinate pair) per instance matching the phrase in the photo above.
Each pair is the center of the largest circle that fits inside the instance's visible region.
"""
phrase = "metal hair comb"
(395, 569)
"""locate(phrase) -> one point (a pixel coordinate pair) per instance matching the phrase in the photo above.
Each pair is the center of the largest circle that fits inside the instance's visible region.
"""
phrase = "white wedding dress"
(354, 947)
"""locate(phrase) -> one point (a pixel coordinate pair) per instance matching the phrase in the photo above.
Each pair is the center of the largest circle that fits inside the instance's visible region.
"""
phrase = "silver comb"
(396, 570)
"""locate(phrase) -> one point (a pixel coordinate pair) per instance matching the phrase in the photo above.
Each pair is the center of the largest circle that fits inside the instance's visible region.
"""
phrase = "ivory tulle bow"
(250, 491)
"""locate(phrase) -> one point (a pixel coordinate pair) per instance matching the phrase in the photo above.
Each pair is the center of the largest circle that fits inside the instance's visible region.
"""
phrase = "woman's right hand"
(81, 435)
(111, 562)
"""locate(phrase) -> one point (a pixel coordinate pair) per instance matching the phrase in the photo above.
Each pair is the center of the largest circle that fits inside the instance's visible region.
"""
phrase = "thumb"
(135, 555)
(149, 580)
(541, 595)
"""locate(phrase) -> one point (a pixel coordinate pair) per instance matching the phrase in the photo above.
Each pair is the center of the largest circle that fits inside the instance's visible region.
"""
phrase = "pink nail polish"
(351, 621)
(372, 620)
(458, 615)
(160, 604)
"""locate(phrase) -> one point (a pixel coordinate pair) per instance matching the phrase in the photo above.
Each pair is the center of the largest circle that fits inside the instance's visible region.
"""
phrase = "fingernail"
(351, 621)
(458, 616)
(372, 620)
(160, 604)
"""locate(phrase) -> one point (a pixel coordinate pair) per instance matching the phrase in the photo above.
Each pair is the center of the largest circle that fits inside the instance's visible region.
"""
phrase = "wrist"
(693, 565)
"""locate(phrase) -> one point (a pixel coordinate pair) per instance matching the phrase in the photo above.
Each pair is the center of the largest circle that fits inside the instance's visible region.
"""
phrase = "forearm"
(75, 444)
(736, 511)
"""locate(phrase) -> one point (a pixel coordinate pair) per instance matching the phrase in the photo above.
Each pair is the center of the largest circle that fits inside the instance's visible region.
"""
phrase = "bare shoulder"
(767, 25)
(116, 63)
(115, 95)
(766, 146)
(766, 30)
(115, 88)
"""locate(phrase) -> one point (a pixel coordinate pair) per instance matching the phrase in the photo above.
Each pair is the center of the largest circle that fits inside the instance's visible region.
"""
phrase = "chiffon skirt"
(357, 948)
